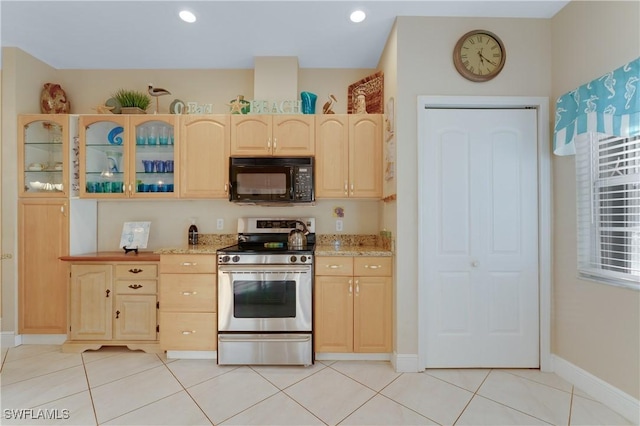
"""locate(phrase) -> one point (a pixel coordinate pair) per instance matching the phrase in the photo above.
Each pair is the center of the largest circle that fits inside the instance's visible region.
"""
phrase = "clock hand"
(492, 63)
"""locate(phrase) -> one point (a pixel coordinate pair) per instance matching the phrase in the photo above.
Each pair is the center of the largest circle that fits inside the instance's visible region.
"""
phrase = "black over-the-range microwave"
(271, 180)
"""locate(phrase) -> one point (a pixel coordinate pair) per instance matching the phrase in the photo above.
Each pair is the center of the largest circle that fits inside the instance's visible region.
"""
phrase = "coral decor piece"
(327, 108)
(366, 96)
(53, 100)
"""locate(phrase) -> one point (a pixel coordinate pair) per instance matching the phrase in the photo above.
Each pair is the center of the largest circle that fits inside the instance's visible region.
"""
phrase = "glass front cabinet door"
(43, 155)
(154, 160)
(125, 156)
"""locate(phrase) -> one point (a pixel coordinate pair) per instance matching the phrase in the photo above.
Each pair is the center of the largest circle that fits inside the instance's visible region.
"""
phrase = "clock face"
(479, 55)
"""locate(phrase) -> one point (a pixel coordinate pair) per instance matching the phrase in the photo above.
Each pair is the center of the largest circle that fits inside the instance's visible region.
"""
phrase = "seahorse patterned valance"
(609, 104)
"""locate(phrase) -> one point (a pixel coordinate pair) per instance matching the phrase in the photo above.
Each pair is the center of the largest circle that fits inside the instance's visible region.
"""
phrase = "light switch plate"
(339, 225)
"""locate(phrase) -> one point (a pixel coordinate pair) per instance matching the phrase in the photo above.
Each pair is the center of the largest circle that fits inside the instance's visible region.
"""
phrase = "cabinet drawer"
(136, 271)
(188, 264)
(188, 292)
(372, 266)
(334, 265)
(136, 287)
(188, 331)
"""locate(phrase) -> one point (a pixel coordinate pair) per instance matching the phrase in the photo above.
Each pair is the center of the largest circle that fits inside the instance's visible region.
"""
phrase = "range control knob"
(224, 259)
(293, 259)
(236, 258)
(303, 259)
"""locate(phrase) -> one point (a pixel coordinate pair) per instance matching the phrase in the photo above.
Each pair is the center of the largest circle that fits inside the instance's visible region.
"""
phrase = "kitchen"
(404, 63)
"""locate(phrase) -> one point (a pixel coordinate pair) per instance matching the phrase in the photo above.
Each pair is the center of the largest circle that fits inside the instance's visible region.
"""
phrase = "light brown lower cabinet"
(353, 304)
(188, 303)
(113, 304)
(43, 236)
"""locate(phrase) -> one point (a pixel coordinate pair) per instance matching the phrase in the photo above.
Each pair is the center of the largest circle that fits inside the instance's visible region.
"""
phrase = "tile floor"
(115, 386)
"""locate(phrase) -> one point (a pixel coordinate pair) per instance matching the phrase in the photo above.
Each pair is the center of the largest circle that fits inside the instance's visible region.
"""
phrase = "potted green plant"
(132, 101)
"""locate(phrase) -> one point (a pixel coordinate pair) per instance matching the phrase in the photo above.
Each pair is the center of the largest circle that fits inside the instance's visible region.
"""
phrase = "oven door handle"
(296, 338)
(263, 268)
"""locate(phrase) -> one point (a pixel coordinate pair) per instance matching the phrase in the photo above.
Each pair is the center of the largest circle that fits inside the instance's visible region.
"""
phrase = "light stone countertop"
(320, 250)
(349, 250)
(197, 249)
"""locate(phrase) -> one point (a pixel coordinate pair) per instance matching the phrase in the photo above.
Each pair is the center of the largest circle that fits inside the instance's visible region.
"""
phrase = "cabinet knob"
(135, 286)
(136, 270)
(117, 314)
(108, 291)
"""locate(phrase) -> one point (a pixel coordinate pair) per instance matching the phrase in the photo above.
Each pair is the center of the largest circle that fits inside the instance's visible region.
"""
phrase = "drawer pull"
(135, 286)
(135, 270)
(189, 293)
(373, 266)
(187, 332)
(334, 266)
(188, 264)
(108, 291)
(117, 314)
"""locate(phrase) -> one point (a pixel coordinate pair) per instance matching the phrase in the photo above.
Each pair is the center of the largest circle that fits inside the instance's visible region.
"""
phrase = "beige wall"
(22, 80)
(388, 65)
(595, 326)
(425, 67)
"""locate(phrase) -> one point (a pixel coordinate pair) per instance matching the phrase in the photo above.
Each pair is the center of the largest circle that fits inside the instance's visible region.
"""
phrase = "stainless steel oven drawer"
(265, 349)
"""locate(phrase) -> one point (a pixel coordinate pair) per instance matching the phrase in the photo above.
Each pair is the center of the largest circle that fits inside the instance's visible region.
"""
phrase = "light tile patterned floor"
(115, 386)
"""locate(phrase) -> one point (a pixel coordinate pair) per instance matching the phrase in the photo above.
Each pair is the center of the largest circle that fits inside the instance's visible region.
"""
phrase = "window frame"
(608, 209)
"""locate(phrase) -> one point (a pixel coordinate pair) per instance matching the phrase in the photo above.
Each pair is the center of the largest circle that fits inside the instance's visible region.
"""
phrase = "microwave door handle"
(291, 193)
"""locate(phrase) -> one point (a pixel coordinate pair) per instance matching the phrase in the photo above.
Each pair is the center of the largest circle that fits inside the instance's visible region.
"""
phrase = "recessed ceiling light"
(187, 16)
(357, 16)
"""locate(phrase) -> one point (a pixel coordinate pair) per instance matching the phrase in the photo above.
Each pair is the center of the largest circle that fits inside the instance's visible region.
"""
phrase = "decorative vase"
(308, 102)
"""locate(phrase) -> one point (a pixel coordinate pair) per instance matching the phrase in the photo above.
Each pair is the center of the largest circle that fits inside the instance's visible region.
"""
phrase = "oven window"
(264, 299)
(262, 183)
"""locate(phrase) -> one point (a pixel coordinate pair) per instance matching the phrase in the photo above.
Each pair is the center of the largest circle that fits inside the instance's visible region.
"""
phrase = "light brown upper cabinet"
(276, 135)
(123, 156)
(348, 156)
(204, 156)
(43, 155)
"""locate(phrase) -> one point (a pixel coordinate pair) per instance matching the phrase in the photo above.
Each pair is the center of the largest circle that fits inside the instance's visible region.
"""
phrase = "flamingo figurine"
(156, 92)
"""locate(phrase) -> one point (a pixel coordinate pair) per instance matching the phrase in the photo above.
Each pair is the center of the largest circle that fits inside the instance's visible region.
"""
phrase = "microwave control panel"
(303, 186)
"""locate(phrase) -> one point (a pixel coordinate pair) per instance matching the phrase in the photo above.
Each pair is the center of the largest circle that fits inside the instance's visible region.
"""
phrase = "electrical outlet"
(220, 224)
(339, 225)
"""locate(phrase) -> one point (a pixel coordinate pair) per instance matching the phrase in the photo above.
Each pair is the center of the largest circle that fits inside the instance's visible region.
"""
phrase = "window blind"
(608, 208)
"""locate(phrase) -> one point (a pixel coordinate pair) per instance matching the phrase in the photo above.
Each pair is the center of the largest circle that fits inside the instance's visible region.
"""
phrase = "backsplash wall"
(170, 219)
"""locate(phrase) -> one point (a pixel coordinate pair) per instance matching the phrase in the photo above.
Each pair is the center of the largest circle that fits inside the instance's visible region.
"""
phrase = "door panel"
(482, 288)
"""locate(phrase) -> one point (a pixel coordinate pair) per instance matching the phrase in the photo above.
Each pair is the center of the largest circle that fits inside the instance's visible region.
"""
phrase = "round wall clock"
(479, 55)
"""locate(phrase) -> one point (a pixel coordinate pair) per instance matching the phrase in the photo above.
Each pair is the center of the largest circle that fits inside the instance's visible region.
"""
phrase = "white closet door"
(481, 256)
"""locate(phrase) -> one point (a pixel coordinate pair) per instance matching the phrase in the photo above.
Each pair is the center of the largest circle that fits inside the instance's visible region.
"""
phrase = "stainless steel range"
(265, 290)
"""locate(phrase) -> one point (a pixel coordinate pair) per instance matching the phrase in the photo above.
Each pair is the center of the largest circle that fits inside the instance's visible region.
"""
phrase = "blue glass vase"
(308, 102)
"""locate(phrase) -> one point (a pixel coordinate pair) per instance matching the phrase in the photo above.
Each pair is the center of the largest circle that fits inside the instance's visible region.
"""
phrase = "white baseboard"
(619, 401)
(8, 339)
(41, 339)
(405, 363)
(192, 355)
(340, 356)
